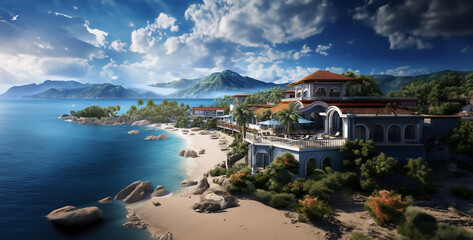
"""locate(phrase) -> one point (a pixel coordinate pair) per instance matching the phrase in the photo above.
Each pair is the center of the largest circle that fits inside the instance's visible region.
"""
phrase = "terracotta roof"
(259, 106)
(240, 95)
(275, 108)
(323, 76)
(208, 108)
(289, 91)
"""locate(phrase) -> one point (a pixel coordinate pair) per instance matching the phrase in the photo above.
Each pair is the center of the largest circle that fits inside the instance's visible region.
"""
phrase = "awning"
(271, 122)
(304, 121)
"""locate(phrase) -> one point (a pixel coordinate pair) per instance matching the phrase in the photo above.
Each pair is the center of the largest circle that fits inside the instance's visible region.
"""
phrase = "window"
(305, 93)
(377, 133)
(298, 94)
(327, 162)
(334, 92)
(320, 92)
(360, 132)
(394, 134)
(310, 166)
(410, 133)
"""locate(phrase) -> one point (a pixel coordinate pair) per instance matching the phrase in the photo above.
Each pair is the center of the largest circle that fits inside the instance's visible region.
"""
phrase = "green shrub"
(359, 236)
(314, 208)
(358, 151)
(320, 190)
(462, 192)
(328, 183)
(288, 161)
(279, 176)
(296, 188)
(93, 112)
(261, 180)
(218, 171)
(263, 196)
(447, 232)
(241, 181)
(378, 166)
(282, 200)
(419, 170)
(386, 207)
(301, 218)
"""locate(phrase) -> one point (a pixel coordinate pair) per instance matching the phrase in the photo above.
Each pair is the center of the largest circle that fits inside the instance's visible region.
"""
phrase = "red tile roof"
(240, 95)
(323, 76)
(289, 91)
(208, 108)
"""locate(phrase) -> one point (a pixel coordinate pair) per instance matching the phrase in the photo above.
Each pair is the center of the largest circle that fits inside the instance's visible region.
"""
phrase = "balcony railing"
(295, 143)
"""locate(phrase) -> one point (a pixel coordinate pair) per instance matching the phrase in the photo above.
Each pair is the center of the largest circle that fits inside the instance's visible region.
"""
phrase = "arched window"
(410, 133)
(299, 94)
(320, 92)
(360, 132)
(394, 134)
(327, 162)
(305, 93)
(310, 166)
(334, 92)
(377, 133)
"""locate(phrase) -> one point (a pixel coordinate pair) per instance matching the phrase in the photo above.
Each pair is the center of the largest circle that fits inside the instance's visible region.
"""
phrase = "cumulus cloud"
(171, 44)
(99, 35)
(118, 46)
(107, 70)
(163, 21)
(405, 71)
(142, 39)
(413, 22)
(322, 49)
(256, 22)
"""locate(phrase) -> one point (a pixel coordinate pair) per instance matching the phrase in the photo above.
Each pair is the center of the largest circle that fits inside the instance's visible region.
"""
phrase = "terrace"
(296, 143)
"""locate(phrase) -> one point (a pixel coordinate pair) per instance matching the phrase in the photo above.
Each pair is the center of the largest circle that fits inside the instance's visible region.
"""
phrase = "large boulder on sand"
(161, 136)
(203, 185)
(187, 183)
(182, 153)
(201, 151)
(141, 123)
(138, 193)
(215, 200)
(159, 191)
(166, 236)
(126, 191)
(72, 216)
(134, 132)
(190, 153)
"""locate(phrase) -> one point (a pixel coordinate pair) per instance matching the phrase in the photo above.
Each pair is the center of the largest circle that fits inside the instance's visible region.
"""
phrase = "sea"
(47, 163)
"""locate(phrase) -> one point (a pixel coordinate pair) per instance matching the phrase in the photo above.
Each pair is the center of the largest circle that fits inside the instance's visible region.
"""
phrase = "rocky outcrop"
(64, 116)
(134, 192)
(195, 129)
(204, 133)
(187, 183)
(134, 221)
(201, 151)
(159, 191)
(161, 136)
(134, 132)
(166, 236)
(185, 131)
(192, 134)
(72, 216)
(214, 200)
(182, 153)
(155, 202)
(106, 200)
(202, 187)
(126, 191)
(219, 180)
(190, 153)
(141, 123)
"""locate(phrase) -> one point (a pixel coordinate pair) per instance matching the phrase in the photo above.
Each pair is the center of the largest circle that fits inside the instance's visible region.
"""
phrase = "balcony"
(295, 143)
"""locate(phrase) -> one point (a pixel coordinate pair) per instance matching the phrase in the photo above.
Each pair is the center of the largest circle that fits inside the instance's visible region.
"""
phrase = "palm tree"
(288, 116)
(139, 102)
(150, 103)
(242, 115)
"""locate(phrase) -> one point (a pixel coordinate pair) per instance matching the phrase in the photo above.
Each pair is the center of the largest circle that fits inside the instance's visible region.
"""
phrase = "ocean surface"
(46, 163)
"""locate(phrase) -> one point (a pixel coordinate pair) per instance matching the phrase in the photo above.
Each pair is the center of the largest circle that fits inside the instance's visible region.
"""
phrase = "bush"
(419, 170)
(279, 176)
(420, 225)
(359, 236)
(320, 190)
(218, 171)
(328, 183)
(261, 180)
(314, 208)
(282, 200)
(93, 112)
(263, 196)
(288, 161)
(386, 207)
(241, 181)
(296, 188)
(378, 166)
(301, 218)
(462, 192)
(358, 151)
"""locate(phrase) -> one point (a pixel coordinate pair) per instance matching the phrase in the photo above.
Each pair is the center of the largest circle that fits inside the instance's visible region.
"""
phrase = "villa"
(208, 112)
(329, 118)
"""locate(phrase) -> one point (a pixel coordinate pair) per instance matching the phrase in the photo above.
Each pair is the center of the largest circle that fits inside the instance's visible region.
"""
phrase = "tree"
(449, 108)
(93, 112)
(118, 108)
(368, 87)
(265, 115)
(379, 166)
(419, 170)
(358, 152)
(288, 116)
(242, 115)
(150, 103)
(139, 102)
(460, 139)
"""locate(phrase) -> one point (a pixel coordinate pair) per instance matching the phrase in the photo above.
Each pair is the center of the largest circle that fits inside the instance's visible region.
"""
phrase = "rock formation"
(159, 191)
(155, 202)
(141, 123)
(134, 192)
(187, 183)
(202, 187)
(166, 236)
(201, 151)
(190, 153)
(134, 132)
(215, 200)
(182, 153)
(72, 216)
(126, 191)
(161, 136)
(106, 200)
(134, 221)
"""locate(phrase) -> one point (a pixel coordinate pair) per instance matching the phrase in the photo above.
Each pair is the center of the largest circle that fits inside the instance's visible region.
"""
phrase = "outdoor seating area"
(297, 141)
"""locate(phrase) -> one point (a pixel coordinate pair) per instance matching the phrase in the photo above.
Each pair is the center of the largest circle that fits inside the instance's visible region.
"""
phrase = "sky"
(140, 42)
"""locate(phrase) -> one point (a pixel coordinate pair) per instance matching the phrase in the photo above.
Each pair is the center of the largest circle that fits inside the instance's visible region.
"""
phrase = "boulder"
(219, 180)
(161, 136)
(166, 236)
(194, 129)
(159, 191)
(138, 193)
(185, 131)
(192, 134)
(214, 200)
(201, 151)
(155, 202)
(168, 128)
(182, 153)
(187, 183)
(202, 187)
(64, 116)
(72, 216)
(134, 132)
(134, 221)
(141, 123)
(190, 153)
(106, 200)
(126, 191)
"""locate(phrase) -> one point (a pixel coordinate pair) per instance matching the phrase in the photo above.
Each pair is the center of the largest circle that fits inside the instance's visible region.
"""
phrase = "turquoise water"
(47, 163)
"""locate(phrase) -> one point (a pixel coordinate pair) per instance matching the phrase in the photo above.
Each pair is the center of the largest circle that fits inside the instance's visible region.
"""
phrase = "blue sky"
(136, 43)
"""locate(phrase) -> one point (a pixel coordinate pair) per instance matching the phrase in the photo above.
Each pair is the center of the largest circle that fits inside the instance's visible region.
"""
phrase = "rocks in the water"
(72, 216)
(106, 200)
(202, 187)
(64, 116)
(134, 221)
(182, 152)
(187, 183)
(141, 123)
(190, 153)
(134, 132)
(138, 193)
(166, 236)
(201, 151)
(133, 192)
(215, 200)
(161, 136)
(159, 191)
(155, 202)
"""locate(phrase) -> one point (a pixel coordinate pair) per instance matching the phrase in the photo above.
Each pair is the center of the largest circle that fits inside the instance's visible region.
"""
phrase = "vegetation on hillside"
(368, 87)
(460, 139)
(162, 113)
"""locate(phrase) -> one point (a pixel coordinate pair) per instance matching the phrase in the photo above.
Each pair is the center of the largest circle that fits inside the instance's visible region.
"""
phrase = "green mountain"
(93, 91)
(389, 82)
(218, 84)
(181, 83)
(31, 89)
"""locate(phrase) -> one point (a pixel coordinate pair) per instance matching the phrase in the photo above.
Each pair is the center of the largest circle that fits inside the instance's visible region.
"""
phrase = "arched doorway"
(377, 133)
(320, 92)
(394, 134)
(360, 132)
(317, 119)
(261, 159)
(327, 162)
(334, 92)
(310, 166)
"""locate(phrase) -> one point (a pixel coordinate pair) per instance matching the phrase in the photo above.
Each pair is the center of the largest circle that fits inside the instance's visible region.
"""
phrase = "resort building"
(208, 112)
(329, 118)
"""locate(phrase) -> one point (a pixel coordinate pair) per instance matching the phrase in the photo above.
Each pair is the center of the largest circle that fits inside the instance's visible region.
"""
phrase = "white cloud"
(257, 22)
(405, 71)
(107, 71)
(143, 39)
(14, 18)
(303, 52)
(118, 46)
(99, 35)
(163, 21)
(466, 49)
(61, 14)
(171, 44)
(322, 49)
(75, 7)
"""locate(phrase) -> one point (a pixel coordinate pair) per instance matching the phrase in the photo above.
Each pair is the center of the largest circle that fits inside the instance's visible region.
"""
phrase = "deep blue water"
(46, 163)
